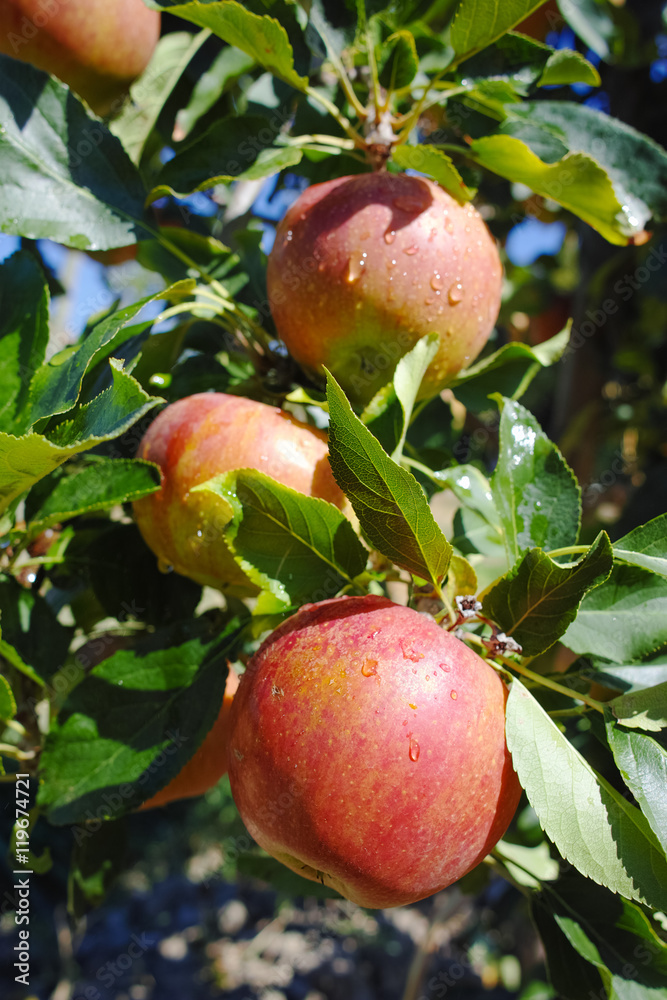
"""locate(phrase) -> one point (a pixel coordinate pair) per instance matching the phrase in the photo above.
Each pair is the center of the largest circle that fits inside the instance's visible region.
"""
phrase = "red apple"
(208, 764)
(96, 47)
(364, 266)
(206, 434)
(367, 751)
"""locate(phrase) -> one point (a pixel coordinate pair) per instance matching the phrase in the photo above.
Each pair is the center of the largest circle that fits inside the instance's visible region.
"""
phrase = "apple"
(208, 764)
(363, 267)
(367, 751)
(206, 434)
(96, 47)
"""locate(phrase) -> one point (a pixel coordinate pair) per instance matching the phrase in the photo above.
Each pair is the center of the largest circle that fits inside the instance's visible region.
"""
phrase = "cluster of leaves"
(110, 734)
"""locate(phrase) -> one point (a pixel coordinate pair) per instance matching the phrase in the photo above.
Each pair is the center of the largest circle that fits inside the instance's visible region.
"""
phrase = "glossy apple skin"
(363, 267)
(367, 750)
(97, 47)
(207, 766)
(199, 437)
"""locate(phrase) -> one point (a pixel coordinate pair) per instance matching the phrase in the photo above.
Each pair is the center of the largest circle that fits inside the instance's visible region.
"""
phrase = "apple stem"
(552, 685)
(378, 106)
(11, 751)
(344, 122)
(497, 864)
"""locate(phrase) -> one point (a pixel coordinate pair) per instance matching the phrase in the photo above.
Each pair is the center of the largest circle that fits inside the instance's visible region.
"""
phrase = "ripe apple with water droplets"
(201, 436)
(362, 267)
(367, 751)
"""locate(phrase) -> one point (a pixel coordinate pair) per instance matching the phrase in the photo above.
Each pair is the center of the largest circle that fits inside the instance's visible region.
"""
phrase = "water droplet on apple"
(411, 251)
(445, 667)
(449, 226)
(369, 668)
(455, 293)
(390, 236)
(409, 653)
(355, 267)
(413, 749)
(453, 695)
(164, 566)
(428, 302)
(436, 282)
(288, 236)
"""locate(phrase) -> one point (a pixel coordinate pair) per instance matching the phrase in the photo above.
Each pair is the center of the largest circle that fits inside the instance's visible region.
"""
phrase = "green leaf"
(629, 677)
(261, 37)
(149, 94)
(534, 490)
(227, 67)
(24, 335)
(591, 824)
(132, 723)
(388, 413)
(572, 977)
(398, 61)
(228, 150)
(300, 548)
(271, 161)
(636, 164)
(645, 709)
(566, 66)
(434, 162)
(57, 384)
(461, 578)
(127, 582)
(389, 502)
(645, 546)
(537, 600)
(478, 23)
(642, 760)
(521, 63)
(24, 460)
(97, 487)
(624, 620)
(32, 636)
(7, 699)
(65, 176)
(13, 657)
(508, 371)
(611, 933)
(576, 181)
(529, 866)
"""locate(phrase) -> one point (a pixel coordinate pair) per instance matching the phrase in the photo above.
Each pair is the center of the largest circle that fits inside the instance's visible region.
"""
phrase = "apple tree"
(519, 502)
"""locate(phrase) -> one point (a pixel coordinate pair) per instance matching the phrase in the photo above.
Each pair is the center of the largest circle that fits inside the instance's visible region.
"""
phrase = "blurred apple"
(201, 436)
(96, 47)
(367, 751)
(363, 267)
